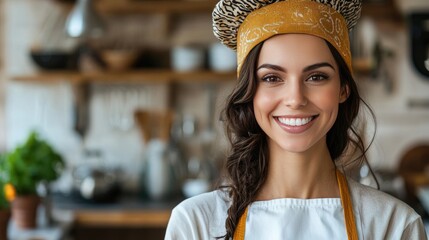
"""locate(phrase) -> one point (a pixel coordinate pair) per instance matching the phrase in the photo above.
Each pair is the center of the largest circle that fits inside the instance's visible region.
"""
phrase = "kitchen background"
(102, 115)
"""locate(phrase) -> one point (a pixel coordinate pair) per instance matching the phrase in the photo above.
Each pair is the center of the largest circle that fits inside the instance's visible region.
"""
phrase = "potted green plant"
(28, 165)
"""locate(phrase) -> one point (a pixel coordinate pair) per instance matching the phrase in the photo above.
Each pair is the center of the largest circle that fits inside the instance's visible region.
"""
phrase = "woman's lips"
(295, 124)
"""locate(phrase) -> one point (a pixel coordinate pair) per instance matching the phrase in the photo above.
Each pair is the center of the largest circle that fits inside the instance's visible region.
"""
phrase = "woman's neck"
(300, 175)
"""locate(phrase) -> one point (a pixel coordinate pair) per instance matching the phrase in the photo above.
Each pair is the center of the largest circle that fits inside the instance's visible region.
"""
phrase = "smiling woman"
(290, 120)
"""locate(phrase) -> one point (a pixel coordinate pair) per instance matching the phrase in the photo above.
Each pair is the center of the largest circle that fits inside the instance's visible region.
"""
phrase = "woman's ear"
(345, 91)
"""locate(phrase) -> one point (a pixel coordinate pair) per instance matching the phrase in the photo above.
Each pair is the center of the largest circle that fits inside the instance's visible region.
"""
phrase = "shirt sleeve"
(179, 226)
(415, 230)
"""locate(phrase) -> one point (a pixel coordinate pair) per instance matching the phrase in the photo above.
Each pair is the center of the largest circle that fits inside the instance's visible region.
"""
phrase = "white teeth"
(295, 121)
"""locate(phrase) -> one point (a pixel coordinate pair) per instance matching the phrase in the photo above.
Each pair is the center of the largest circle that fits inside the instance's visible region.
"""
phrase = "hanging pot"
(96, 185)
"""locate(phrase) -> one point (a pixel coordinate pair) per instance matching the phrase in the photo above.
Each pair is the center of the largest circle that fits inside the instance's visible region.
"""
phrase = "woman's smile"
(295, 124)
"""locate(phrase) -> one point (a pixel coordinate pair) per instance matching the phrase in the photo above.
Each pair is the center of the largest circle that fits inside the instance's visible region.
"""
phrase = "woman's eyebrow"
(271, 66)
(306, 69)
(318, 65)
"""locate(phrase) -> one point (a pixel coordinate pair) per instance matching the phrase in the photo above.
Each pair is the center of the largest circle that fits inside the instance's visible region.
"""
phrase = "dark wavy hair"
(247, 164)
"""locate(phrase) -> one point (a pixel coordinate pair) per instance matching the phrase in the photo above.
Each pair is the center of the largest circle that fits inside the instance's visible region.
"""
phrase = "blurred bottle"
(161, 176)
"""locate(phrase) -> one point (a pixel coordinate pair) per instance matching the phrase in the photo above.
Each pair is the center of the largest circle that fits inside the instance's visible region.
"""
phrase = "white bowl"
(193, 187)
(187, 58)
(221, 58)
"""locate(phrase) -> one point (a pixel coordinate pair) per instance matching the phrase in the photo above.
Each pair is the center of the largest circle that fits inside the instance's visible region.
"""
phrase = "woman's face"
(298, 91)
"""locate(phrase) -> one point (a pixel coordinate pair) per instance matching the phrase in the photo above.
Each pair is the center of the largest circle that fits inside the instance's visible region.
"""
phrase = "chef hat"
(242, 24)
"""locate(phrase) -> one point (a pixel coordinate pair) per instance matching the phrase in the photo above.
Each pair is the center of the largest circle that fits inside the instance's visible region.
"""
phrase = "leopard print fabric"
(229, 14)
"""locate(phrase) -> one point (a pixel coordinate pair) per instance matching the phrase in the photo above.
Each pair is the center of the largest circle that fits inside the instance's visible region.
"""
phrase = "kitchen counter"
(127, 211)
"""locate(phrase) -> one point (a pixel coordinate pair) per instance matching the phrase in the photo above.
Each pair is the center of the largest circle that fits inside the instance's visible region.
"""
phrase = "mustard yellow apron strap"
(240, 230)
(345, 201)
(348, 207)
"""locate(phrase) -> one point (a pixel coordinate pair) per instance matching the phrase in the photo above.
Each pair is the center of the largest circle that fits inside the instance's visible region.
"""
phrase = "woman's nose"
(295, 96)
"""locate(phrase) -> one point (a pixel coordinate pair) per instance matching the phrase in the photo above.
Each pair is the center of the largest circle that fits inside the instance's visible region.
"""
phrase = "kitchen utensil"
(159, 179)
(419, 41)
(163, 170)
(198, 178)
(154, 124)
(82, 95)
(365, 41)
(83, 21)
(96, 184)
(53, 59)
(100, 186)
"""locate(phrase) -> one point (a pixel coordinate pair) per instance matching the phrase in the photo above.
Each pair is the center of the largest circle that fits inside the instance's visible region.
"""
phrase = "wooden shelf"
(139, 218)
(142, 76)
(154, 6)
(49, 77)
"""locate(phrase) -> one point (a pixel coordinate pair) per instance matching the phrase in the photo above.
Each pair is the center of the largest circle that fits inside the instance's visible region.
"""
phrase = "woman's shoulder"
(373, 200)
(205, 202)
(382, 216)
(199, 217)
(373, 195)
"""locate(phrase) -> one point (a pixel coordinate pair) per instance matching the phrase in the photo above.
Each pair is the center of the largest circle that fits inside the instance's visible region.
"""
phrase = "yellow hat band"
(293, 16)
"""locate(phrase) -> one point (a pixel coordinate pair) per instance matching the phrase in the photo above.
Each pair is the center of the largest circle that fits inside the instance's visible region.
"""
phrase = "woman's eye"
(270, 78)
(317, 77)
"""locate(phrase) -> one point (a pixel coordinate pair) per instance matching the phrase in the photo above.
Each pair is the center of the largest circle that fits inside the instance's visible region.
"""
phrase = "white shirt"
(377, 214)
